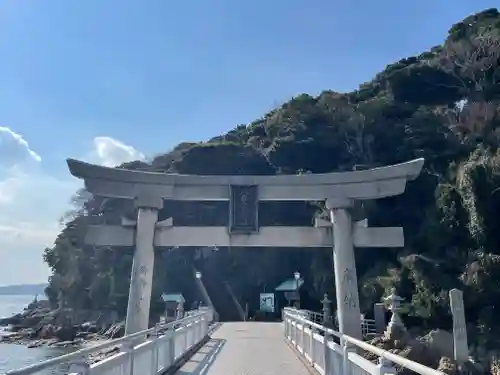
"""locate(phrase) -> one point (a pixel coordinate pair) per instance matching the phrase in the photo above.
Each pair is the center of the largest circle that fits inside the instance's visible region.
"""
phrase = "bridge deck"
(245, 348)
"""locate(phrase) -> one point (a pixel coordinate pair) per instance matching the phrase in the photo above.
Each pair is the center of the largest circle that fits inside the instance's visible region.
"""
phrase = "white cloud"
(30, 207)
(29, 233)
(32, 202)
(14, 149)
(111, 152)
(8, 188)
(15, 154)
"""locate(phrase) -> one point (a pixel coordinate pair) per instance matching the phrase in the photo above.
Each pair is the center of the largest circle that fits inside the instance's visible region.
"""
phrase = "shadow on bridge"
(201, 361)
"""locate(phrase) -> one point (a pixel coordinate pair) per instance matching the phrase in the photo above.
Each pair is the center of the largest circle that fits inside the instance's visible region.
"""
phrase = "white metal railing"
(316, 344)
(151, 351)
(314, 316)
(368, 326)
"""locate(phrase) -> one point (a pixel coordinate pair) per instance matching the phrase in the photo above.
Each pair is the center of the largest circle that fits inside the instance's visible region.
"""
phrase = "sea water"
(14, 356)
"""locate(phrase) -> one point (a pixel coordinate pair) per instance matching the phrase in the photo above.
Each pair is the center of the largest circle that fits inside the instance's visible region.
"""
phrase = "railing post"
(183, 340)
(196, 330)
(154, 353)
(285, 325)
(303, 337)
(296, 333)
(194, 333)
(128, 348)
(311, 344)
(189, 336)
(326, 353)
(346, 364)
(199, 329)
(288, 326)
(80, 367)
(171, 346)
(385, 367)
(206, 323)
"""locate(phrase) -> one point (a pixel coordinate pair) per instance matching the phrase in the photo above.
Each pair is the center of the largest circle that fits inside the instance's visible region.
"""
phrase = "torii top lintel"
(367, 184)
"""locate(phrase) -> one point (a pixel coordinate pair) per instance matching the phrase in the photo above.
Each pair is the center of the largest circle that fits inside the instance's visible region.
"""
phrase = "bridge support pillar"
(141, 279)
(346, 280)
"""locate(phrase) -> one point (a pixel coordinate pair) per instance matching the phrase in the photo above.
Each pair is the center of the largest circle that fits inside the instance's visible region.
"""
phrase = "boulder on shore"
(38, 325)
(66, 333)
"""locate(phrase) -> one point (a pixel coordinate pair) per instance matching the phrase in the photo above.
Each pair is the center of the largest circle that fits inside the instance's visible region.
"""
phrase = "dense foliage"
(443, 105)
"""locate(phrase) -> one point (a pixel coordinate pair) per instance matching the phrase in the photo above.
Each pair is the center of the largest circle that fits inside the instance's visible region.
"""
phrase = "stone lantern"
(180, 309)
(296, 276)
(326, 310)
(396, 325)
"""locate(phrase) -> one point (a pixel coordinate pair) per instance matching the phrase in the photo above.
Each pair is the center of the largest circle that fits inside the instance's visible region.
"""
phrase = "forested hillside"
(443, 105)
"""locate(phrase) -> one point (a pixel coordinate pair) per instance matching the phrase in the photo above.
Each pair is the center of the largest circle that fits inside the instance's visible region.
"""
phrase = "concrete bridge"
(199, 346)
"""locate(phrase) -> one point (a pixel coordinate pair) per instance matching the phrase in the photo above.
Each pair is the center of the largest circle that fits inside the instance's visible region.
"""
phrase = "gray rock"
(440, 341)
(66, 333)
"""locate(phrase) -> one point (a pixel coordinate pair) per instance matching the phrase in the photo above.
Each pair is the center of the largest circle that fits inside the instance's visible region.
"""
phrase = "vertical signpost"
(460, 346)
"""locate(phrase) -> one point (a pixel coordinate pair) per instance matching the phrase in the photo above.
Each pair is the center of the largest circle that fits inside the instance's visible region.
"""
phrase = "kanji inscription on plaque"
(243, 206)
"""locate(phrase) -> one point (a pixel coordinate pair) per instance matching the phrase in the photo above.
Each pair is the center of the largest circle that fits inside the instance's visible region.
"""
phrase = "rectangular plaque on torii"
(244, 209)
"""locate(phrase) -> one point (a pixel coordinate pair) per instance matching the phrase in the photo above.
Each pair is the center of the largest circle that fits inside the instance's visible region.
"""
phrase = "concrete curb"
(214, 327)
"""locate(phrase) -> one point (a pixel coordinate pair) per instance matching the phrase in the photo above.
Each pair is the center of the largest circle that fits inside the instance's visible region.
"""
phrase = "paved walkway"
(245, 348)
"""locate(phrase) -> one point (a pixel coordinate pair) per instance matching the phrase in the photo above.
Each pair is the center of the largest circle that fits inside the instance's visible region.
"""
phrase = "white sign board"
(267, 302)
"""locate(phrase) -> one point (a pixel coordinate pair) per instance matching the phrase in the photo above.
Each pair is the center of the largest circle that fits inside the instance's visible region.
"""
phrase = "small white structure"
(339, 191)
(290, 289)
(174, 305)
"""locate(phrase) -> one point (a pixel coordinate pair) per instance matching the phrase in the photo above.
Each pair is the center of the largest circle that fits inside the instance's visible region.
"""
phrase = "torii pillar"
(141, 278)
(346, 280)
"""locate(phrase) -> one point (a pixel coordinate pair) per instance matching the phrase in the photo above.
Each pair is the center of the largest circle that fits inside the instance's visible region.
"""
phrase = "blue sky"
(111, 80)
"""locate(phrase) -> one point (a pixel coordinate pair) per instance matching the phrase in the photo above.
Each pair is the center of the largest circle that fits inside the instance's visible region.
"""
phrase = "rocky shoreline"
(39, 326)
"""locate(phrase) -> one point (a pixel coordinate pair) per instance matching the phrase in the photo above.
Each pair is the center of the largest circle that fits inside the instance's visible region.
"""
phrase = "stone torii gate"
(338, 190)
